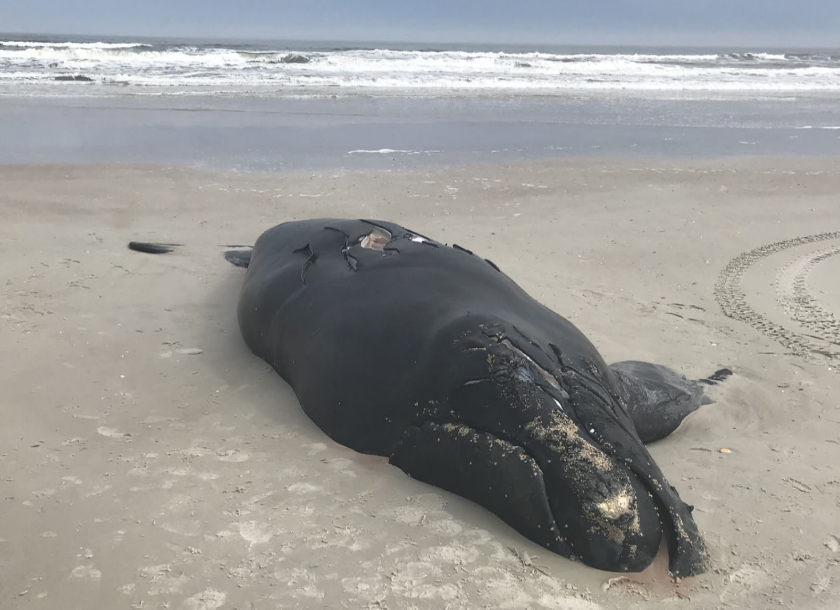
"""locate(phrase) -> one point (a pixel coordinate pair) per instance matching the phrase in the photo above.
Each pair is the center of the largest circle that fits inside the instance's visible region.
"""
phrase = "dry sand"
(138, 472)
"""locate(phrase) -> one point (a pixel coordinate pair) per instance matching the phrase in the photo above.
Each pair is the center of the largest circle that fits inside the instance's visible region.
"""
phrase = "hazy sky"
(767, 22)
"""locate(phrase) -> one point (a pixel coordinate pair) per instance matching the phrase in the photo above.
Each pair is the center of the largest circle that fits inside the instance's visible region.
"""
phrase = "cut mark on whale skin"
(549, 378)
(420, 239)
(312, 257)
(376, 239)
(352, 261)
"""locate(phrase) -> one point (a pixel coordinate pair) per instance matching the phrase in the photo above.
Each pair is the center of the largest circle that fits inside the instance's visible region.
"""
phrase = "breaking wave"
(143, 67)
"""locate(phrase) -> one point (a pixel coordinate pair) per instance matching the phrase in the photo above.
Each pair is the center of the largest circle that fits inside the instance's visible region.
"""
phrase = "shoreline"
(282, 134)
(781, 164)
(137, 471)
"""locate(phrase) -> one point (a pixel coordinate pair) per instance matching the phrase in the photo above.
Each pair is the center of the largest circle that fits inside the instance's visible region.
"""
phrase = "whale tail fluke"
(239, 258)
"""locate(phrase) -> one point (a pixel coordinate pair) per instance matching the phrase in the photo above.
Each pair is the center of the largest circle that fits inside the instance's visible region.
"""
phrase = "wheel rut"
(809, 330)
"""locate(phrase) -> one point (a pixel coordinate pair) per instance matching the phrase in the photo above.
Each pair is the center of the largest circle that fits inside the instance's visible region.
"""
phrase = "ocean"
(298, 105)
(61, 65)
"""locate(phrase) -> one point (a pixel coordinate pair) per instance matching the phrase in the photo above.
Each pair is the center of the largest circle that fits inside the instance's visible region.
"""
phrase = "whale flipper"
(658, 399)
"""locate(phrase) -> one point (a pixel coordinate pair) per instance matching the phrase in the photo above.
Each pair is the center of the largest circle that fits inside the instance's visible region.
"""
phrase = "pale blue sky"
(766, 22)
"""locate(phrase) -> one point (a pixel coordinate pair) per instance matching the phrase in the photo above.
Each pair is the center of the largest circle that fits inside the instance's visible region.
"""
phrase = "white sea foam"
(390, 151)
(381, 151)
(174, 69)
(73, 45)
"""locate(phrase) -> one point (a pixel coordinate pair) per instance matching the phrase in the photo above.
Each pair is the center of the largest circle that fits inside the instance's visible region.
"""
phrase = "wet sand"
(309, 134)
(148, 460)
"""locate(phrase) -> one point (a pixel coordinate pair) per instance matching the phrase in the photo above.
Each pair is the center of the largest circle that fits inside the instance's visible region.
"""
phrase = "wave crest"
(183, 67)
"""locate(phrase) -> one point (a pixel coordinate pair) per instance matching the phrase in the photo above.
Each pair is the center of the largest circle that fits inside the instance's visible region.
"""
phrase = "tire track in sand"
(791, 292)
(799, 304)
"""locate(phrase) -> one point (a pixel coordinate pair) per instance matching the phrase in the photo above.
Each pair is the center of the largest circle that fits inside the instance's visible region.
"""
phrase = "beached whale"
(399, 346)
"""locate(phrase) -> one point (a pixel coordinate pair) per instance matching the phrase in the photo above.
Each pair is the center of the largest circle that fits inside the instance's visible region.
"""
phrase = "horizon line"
(417, 41)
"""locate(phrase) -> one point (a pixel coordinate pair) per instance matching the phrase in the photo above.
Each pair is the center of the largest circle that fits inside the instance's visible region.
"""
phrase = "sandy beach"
(149, 460)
